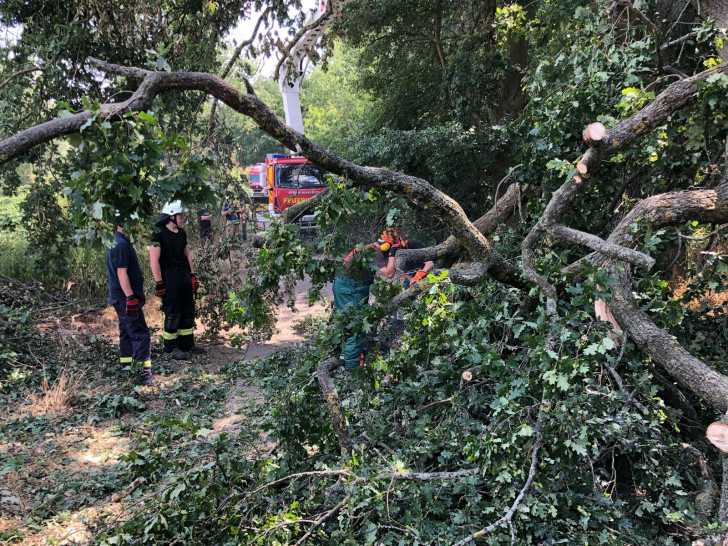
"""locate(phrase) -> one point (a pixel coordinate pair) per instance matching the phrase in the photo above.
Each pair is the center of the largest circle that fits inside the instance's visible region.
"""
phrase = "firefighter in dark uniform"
(389, 243)
(126, 294)
(351, 287)
(171, 262)
(205, 219)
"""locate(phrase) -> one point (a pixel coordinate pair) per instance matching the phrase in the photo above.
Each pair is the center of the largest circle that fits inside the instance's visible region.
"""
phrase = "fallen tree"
(469, 239)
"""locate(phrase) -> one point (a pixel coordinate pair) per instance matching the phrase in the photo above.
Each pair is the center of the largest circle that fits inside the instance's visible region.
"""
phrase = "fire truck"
(291, 180)
(258, 185)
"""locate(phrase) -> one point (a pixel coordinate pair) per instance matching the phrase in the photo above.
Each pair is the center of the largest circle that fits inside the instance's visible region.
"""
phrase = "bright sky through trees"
(245, 28)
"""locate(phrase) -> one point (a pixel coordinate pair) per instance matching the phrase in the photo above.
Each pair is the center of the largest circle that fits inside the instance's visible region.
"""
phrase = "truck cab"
(292, 180)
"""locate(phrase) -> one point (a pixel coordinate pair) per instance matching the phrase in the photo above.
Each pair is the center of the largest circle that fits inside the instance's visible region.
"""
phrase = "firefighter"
(351, 287)
(205, 219)
(388, 244)
(126, 294)
(174, 273)
(235, 216)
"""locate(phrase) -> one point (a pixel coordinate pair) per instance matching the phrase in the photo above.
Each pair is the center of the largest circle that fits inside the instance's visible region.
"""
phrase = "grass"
(56, 398)
(14, 261)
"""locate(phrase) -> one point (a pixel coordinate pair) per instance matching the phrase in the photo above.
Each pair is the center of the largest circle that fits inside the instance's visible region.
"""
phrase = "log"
(717, 434)
(594, 133)
(582, 168)
(469, 374)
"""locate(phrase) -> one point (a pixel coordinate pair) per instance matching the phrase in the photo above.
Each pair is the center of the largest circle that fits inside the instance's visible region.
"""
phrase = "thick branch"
(415, 189)
(676, 96)
(427, 476)
(678, 41)
(611, 250)
(664, 348)
(24, 141)
(500, 213)
(334, 404)
(294, 212)
(674, 208)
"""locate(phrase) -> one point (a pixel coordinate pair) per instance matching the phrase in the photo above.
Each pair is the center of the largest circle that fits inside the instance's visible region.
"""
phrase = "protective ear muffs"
(384, 247)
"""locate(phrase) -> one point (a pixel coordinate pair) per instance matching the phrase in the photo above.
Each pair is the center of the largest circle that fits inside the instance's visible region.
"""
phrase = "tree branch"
(607, 249)
(294, 212)
(516, 503)
(322, 519)
(331, 396)
(664, 348)
(446, 252)
(602, 145)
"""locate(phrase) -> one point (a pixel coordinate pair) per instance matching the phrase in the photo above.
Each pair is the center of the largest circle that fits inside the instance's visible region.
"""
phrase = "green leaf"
(177, 490)
(526, 430)
(98, 210)
(557, 164)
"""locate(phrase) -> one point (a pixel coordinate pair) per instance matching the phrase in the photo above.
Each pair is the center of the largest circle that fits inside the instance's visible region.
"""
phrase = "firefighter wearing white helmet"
(175, 207)
(176, 283)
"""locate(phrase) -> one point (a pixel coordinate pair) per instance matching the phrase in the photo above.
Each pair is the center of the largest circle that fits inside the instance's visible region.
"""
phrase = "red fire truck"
(257, 178)
(291, 180)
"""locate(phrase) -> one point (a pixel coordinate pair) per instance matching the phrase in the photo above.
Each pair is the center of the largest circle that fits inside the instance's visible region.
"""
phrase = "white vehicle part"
(290, 75)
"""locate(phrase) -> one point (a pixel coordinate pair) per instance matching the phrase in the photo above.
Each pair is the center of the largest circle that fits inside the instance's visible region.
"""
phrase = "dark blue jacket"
(122, 254)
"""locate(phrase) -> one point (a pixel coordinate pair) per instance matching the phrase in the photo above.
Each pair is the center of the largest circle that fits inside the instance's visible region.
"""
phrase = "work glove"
(132, 306)
(160, 290)
(421, 274)
(195, 282)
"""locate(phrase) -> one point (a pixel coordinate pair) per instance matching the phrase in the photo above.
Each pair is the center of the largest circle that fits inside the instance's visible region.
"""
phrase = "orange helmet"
(388, 239)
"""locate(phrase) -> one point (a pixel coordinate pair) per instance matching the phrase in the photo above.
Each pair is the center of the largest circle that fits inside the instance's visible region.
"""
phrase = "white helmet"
(175, 207)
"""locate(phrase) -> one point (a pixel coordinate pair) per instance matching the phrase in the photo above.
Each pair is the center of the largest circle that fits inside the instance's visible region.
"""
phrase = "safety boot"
(146, 377)
(179, 354)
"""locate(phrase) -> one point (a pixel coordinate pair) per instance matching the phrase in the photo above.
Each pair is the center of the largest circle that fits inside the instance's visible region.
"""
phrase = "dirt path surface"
(242, 395)
(286, 334)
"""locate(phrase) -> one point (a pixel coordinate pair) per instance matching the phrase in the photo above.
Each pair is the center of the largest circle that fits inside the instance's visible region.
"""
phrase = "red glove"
(195, 282)
(421, 274)
(160, 290)
(132, 306)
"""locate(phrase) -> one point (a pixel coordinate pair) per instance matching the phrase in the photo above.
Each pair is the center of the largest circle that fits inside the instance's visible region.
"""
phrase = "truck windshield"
(254, 177)
(299, 175)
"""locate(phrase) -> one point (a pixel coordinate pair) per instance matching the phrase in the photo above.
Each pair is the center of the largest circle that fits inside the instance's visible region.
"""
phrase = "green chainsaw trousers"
(350, 292)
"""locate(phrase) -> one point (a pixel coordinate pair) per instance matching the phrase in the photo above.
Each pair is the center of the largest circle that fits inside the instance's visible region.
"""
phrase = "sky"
(244, 29)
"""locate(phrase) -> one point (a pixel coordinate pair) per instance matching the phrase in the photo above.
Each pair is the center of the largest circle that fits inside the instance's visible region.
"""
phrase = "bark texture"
(333, 403)
(689, 371)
